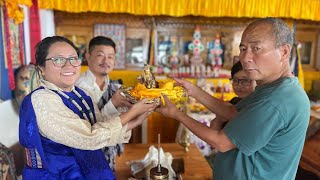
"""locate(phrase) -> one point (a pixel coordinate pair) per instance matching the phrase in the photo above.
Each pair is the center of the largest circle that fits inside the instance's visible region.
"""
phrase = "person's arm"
(120, 101)
(218, 123)
(138, 120)
(215, 105)
(109, 110)
(134, 116)
(215, 138)
(60, 124)
(116, 105)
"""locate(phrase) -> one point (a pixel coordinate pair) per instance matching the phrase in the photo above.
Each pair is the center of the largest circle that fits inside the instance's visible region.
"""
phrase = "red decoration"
(21, 44)
(35, 30)
(12, 85)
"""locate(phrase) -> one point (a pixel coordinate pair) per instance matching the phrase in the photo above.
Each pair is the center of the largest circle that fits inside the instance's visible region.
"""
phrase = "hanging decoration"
(13, 46)
(8, 49)
(295, 58)
(21, 45)
(35, 30)
(298, 9)
(14, 11)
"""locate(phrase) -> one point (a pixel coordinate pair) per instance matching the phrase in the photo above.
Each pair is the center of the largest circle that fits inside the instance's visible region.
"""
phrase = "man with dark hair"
(103, 91)
(266, 131)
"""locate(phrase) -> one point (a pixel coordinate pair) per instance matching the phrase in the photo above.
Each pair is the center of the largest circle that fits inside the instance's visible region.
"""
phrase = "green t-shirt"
(268, 132)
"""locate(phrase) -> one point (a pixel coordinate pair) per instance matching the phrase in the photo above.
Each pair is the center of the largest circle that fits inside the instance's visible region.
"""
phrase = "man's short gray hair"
(280, 30)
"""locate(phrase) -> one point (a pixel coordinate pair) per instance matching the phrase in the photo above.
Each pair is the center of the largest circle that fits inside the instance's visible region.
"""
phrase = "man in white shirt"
(103, 91)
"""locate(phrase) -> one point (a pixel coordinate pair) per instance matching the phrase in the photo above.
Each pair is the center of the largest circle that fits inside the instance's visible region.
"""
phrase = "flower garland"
(14, 11)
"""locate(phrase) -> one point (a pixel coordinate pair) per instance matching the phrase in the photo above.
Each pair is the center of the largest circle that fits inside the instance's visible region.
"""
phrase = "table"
(310, 159)
(196, 166)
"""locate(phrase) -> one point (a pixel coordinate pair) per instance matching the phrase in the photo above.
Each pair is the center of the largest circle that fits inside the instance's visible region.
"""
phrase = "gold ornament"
(151, 89)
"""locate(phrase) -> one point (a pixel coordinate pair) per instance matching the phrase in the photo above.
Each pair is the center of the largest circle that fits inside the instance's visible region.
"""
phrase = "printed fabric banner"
(11, 53)
(5, 92)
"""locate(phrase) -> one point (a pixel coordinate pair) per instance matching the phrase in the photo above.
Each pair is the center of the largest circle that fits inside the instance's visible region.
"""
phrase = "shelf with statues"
(199, 59)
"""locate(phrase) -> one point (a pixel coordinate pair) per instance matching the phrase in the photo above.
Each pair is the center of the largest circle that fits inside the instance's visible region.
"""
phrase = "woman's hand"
(136, 110)
(142, 107)
(138, 113)
(120, 101)
(138, 120)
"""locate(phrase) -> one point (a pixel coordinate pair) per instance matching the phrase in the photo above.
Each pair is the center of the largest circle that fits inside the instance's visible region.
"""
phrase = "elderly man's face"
(259, 57)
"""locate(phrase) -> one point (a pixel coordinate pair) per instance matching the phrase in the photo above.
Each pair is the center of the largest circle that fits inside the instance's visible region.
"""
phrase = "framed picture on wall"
(117, 32)
(79, 35)
(16, 46)
(81, 42)
(137, 46)
(308, 44)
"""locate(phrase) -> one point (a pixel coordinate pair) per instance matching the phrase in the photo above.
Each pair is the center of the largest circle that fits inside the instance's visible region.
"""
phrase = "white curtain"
(26, 33)
(46, 23)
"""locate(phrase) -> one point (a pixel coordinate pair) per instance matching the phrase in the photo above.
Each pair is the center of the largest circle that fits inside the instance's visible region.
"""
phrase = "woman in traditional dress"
(61, 129)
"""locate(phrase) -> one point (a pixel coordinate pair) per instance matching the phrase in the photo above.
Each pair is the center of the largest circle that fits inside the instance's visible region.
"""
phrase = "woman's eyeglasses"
(243, 82)
(61, 61)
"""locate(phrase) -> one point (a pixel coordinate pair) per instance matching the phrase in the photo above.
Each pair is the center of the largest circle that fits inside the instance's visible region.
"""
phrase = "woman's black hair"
(236, 68)
(43, 46)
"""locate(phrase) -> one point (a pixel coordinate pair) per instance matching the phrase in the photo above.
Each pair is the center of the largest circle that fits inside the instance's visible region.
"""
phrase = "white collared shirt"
(87, 82)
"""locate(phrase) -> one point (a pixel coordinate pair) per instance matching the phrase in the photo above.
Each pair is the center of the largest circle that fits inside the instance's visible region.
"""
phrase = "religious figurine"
(147, 78)
(151, 89)
(172, 60)
(164, 50)
(196, 47)
(215, 53)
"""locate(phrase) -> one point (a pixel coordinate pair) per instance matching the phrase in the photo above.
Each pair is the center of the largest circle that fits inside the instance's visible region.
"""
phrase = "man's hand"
(191, 88)
(120, 101)
(168, 109)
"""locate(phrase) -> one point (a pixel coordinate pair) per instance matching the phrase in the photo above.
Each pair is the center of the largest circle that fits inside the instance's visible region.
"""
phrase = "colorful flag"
(295, 63)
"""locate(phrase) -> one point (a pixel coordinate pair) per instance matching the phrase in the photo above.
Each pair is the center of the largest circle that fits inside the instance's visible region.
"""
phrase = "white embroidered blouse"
(87, 82)
(60, 124)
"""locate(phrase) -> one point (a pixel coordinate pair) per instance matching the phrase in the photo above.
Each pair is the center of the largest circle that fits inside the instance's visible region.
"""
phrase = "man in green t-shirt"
(265, 133)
